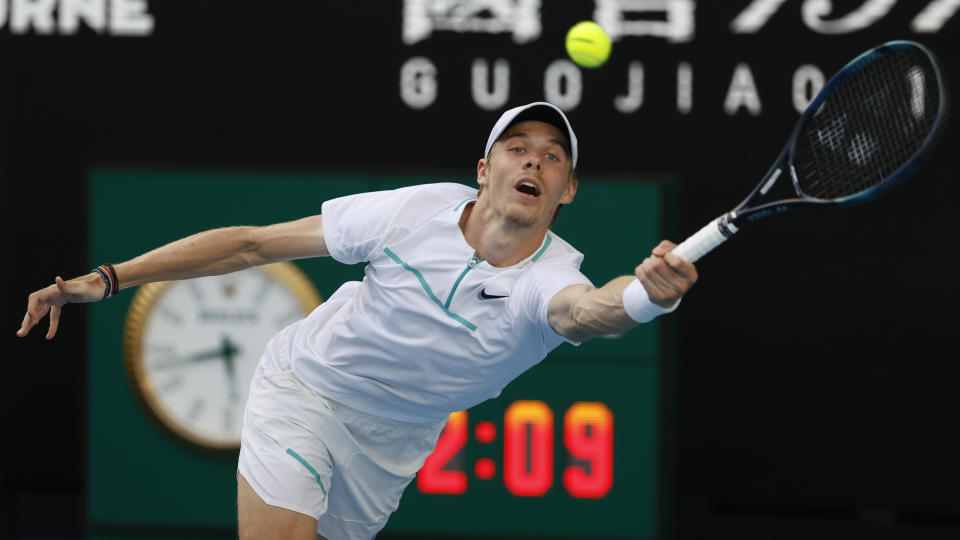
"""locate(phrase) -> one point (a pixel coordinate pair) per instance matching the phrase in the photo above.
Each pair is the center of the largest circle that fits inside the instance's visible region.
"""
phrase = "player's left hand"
(52, 298)
(665, 276)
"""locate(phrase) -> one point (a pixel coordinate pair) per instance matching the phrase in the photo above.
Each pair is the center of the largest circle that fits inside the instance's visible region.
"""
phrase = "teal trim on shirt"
(456, 284)
(429, 291)
(544, 248)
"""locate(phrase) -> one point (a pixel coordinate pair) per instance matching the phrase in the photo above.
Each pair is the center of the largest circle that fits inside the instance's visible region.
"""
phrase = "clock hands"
(226, 351)
(229, 351)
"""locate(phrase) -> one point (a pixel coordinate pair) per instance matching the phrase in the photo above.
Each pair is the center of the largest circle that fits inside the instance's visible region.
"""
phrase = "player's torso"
(431, 329)
(444, 297)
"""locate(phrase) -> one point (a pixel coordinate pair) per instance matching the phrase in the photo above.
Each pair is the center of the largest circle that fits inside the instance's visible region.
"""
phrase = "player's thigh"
(258, 520)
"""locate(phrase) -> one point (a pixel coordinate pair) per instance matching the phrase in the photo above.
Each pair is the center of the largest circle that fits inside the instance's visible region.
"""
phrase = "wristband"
(638, 305)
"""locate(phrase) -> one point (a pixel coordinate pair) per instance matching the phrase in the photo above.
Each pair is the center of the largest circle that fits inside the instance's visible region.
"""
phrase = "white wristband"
(638, 305)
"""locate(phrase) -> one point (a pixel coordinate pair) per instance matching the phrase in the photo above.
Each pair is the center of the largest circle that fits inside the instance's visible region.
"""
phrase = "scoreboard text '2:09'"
(528, 451)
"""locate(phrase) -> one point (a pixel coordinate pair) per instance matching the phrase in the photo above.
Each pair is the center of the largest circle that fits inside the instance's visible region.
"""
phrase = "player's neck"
(496, 241)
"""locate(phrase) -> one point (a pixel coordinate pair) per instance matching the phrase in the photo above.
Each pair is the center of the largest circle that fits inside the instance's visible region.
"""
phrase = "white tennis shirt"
(431, 329)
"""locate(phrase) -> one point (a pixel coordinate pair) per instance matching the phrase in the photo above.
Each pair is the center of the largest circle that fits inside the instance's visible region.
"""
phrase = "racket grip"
(704, 240)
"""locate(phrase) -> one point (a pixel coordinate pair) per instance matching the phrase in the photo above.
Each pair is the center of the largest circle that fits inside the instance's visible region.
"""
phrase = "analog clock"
(191, 346)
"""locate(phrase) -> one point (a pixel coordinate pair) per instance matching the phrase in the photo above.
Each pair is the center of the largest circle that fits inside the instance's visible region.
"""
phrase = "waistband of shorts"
(344, 410)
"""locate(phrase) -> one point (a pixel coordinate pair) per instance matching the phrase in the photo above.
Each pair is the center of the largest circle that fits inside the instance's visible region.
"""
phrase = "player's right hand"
(666, 276)
(51, 299)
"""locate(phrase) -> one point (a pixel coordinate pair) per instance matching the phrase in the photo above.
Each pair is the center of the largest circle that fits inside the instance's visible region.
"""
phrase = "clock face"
(192, 346)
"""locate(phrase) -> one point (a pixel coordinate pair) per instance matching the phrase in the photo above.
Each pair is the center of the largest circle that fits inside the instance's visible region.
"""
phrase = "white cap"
(540, 111)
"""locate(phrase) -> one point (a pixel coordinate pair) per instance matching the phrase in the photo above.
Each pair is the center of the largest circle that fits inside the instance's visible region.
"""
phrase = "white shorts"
(309, 454)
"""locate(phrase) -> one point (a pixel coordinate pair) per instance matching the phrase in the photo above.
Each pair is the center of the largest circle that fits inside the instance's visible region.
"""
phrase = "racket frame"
(728, 224)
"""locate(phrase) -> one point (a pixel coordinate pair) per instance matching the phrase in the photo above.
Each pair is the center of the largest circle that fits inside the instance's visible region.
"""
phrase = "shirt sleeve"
(353, 226)
(535, 291)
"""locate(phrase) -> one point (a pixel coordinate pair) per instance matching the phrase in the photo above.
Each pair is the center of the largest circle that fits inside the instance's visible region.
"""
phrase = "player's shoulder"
(437, 193)
(437, 196)
(557, 251)
(416, 205)
(442, 192)
(554, 267)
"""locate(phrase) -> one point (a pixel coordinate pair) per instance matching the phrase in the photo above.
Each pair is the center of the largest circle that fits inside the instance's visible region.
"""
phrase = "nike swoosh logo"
(485, 296)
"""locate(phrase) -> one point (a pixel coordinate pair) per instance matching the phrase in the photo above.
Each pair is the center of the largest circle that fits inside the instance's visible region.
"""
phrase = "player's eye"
(517, 149)
(553, 157)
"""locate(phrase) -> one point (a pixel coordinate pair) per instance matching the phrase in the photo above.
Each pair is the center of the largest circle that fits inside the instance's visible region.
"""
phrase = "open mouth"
(528, 188)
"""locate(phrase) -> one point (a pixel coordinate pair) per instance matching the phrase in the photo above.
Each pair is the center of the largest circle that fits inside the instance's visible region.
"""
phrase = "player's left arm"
(580, 312)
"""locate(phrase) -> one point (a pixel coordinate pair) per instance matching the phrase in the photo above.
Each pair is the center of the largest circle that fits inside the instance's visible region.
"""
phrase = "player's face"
(529, 172)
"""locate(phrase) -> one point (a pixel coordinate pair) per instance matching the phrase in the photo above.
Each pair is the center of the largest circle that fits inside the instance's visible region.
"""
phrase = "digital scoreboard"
(528, 451)
(570, 449)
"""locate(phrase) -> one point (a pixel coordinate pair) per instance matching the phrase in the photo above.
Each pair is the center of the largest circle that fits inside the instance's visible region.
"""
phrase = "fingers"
(664, 247)
(658, 290)
(26, 325)
(684, 267)
(659, 278)
(54, 321)
(41, 302)
(35, 311)
(665, 276)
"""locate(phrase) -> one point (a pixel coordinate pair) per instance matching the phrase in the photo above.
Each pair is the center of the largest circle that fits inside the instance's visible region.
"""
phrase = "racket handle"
(707, 238)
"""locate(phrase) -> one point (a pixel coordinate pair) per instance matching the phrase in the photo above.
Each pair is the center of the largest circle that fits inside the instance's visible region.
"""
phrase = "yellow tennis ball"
(588, 44)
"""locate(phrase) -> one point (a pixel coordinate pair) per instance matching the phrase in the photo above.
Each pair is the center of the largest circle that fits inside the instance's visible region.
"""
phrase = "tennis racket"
(871, 125)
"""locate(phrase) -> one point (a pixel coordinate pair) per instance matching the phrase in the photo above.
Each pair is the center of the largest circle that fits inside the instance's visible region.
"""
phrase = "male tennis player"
(464, 291)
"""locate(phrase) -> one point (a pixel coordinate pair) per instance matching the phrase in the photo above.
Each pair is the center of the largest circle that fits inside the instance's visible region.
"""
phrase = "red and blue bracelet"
(110, 281)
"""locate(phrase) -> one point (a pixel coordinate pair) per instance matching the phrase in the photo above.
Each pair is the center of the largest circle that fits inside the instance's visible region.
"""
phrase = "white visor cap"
(540, 111)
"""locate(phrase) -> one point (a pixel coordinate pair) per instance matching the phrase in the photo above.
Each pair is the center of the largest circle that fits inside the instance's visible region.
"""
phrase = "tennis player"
(464, 290)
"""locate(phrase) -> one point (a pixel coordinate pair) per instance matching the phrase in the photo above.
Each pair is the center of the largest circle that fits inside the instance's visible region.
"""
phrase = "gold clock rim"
(141, 307)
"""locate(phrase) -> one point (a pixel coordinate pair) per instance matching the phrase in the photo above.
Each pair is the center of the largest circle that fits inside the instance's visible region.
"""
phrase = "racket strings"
(871, 124)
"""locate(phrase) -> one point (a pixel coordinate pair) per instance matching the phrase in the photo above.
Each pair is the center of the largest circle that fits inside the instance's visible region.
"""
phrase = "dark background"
(815, 376)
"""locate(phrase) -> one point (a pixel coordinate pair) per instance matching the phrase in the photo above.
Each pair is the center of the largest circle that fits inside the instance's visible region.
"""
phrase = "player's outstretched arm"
(213, 252)
(580, 312)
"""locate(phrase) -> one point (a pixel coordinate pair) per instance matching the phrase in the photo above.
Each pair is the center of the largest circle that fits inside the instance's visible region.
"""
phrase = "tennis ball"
(588, 44)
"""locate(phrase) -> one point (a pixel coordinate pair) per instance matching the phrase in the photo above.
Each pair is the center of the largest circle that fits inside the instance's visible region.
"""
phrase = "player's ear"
(572, 184)
(482, 172)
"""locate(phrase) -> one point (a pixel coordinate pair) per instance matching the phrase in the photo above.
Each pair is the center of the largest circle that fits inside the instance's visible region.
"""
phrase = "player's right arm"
(213, 252)
(581, 312)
